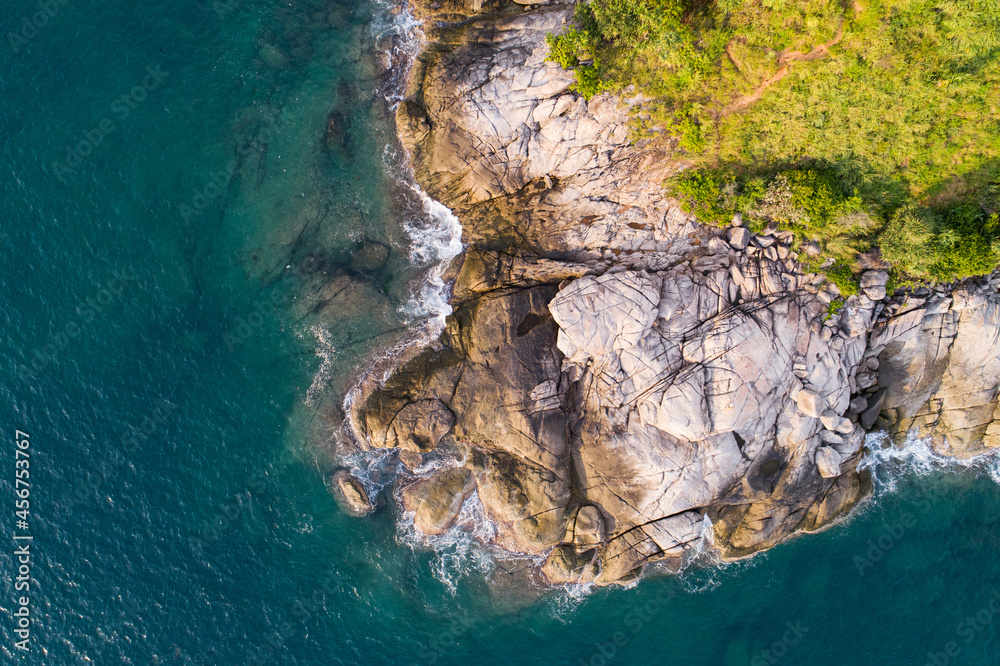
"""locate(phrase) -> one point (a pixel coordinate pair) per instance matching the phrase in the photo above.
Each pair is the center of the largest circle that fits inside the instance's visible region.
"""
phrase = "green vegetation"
(841, 275)
(833, 308)
(924, 242)
(871, 128)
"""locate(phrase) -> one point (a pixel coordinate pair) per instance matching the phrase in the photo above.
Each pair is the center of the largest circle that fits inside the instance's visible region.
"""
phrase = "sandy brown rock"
(437, 500)
(351, 493)
(497, 371)
(419, 426)
(566, 565)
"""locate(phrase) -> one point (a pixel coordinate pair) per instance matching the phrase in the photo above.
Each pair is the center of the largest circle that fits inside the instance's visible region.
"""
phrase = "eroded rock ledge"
(615, 378)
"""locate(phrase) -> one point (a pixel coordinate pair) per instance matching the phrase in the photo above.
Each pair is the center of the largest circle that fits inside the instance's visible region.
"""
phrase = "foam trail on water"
(398, 39)
(433, 231)
(373, 468)
(326, 351)
(435, 234)
(564, 603)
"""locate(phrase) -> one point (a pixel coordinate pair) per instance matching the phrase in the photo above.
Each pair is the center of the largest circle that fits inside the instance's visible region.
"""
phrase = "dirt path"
(785, 60)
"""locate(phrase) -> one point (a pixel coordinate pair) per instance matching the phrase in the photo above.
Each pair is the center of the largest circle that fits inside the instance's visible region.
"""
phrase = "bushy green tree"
(966, 243)
(906, 242)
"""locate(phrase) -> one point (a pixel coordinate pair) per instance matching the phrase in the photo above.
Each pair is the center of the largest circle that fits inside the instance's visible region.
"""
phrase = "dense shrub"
(574, 50)
(966, 243)
(906, 240)
(811, 202)
(843, 276)
(942, 244)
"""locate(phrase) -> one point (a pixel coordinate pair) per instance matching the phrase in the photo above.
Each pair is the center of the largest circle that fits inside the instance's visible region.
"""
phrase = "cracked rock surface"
(616, 381)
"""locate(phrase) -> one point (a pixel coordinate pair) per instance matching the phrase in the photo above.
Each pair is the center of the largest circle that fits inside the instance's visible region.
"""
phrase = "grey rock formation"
(739, 238)
(682, 393)
(526, 164)
(873, 284)
(939, 369)
(617, 380)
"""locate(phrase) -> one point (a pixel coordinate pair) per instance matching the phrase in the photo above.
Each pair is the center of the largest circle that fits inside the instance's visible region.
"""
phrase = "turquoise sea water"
(203, 238)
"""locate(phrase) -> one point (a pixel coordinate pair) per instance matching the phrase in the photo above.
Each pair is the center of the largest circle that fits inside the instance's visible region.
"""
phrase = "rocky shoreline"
(617, 380)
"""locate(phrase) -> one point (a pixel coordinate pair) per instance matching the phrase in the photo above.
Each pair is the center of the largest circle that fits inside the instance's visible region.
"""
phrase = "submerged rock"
(370, 257)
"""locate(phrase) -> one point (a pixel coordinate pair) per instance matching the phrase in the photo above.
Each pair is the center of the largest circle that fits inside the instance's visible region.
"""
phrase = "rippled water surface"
(205, 234)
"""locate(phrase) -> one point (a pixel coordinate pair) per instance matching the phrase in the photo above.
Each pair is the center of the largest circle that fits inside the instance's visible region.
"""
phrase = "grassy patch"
(843, 276)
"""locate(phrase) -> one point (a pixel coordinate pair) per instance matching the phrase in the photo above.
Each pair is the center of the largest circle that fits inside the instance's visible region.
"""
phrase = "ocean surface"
(206, 233)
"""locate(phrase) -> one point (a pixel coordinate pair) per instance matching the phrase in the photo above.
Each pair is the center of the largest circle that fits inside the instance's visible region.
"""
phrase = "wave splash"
(888, 463)
(460, 550)
(434, 232)
(436, 239)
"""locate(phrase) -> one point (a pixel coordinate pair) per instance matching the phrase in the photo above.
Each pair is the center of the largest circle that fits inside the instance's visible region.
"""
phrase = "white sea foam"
(436, 240)
(566, 600)
(706, 539)
(372, 467)
(435, 236)
(304, 524)
(326, 351)
(889, 463)
(435, 233)
(994, 469)
(398, 33)
(459, 551)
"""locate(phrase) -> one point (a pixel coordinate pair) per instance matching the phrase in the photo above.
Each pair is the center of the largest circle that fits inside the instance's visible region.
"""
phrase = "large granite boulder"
(497, 371)
(939, 366)
(437, 500)
(351, 493)
(686, 405)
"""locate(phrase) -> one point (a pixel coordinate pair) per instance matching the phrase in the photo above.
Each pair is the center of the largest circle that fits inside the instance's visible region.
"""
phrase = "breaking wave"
(434, 232)
(436, 239)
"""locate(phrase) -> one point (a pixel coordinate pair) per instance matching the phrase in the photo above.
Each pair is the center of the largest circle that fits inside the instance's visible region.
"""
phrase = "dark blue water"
(203, 239)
